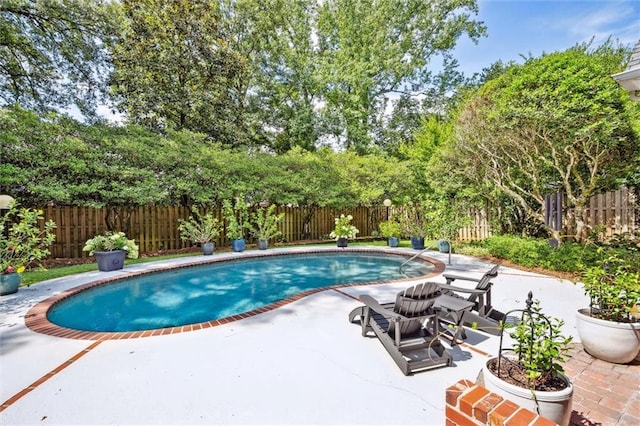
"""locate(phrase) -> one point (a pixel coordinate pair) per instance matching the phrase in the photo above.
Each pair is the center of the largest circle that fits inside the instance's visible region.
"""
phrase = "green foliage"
(390, 228)
(413, 219)
(236, 215)
(529, 252)
(112, 241)
(264, 223)
(174, 67)
(540, 345)
(199, 228)
(370, 49)
(22, 241)
(51, 52)
(343, 228)
(559, 118)
(568, 257)
(614, 289)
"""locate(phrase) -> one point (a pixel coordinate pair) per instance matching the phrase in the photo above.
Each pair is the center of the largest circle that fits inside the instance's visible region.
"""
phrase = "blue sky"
(523, 27)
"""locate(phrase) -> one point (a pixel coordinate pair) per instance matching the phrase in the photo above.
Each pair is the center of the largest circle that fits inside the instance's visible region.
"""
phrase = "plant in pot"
(264, 225)
(531, 373)
(22, 243)
(415, 224)
(200, 229)
(236, 216)
(609, 328)
(445, 216)
(391, 230)
(343, 230)
(111, 249)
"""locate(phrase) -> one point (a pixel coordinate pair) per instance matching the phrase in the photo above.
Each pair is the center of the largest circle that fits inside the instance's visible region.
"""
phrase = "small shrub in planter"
(264, 224)
(200, 229)
(236, 216)
(534, 376)
(111, 249)
(22, 243)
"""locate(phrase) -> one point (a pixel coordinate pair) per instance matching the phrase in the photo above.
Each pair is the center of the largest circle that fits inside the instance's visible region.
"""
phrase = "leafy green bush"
(568, 257)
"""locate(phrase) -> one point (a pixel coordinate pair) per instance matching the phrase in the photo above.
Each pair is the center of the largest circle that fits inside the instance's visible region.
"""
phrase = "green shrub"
(568, 257)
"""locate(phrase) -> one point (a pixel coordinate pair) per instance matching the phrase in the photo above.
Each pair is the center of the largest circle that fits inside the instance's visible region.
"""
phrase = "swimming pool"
(220, 290)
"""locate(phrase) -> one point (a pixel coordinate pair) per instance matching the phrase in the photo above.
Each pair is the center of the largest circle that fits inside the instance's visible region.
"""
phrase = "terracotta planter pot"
(610, 341)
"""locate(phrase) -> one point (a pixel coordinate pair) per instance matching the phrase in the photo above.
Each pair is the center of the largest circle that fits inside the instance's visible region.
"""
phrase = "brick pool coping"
(36, 319)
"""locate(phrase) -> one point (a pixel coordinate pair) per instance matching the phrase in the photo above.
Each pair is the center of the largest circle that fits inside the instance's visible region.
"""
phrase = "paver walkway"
(604, 393)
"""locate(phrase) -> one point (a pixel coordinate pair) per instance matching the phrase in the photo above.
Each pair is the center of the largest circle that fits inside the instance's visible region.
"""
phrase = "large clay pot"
(110, 260)
(555, 406)
(9, 283)
(610, 341)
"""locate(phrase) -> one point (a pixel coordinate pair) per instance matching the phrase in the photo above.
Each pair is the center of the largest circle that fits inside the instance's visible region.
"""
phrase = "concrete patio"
(302, 363)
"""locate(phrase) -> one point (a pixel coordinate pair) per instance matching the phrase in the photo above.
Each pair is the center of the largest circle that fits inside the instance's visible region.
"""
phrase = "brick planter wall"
(468, 404)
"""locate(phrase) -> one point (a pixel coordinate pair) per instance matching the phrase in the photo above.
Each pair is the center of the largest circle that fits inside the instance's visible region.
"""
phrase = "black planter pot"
(342, 242)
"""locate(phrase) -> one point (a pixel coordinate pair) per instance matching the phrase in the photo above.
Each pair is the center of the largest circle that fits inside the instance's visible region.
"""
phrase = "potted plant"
(391, 230)
(22, 242)
(110, 250)
(236, 216)
(444, 218)
(532, 375)
(343, 230)
(200, 229)
(415, 224)
(264, 225)
(609, 328)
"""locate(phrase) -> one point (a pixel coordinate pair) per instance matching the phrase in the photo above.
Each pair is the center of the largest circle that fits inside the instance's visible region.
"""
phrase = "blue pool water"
(202, 293)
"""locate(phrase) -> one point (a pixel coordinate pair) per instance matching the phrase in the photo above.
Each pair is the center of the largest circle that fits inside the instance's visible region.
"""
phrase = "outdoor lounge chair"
(483, 315)
(400, 327)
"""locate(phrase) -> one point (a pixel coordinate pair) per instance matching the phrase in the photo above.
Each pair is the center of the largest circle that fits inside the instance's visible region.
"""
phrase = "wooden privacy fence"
(156, 228)
(615, 212)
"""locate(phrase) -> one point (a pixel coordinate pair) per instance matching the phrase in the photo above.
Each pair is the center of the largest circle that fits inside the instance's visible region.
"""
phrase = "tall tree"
(174, 68)
(52, 52)
(556, 120)
(371, 49)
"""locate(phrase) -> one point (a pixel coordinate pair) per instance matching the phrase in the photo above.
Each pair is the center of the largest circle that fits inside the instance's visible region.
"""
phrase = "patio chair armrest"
(450, 278)
(464, 290)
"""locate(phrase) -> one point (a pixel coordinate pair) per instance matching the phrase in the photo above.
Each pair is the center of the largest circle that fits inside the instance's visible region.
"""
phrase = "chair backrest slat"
(415, 301)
